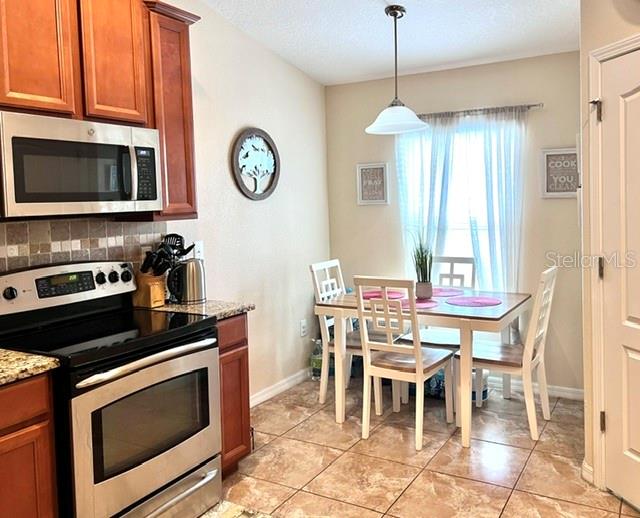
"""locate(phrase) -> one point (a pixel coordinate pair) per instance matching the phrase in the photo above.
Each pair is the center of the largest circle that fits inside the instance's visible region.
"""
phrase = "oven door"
(145, 428)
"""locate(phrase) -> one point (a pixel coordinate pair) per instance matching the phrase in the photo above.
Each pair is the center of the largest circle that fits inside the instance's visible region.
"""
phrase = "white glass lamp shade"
(395, 119)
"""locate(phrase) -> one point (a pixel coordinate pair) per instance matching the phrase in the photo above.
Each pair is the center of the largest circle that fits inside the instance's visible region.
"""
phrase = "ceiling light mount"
(396, 118)
(396, 11)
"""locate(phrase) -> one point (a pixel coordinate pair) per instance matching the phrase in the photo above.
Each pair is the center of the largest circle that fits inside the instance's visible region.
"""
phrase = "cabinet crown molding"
(172, 12)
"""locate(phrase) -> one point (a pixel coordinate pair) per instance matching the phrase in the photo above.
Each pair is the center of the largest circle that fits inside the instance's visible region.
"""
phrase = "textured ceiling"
(339, 41)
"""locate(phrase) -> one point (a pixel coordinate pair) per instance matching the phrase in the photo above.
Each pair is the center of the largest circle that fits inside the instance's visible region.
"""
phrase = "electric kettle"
(186, 282)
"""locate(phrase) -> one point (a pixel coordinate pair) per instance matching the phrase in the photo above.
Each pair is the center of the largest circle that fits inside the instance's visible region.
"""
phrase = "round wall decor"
(255, 163)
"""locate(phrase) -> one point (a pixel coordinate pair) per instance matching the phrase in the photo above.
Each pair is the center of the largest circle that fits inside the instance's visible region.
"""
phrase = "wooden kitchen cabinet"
(27, 478)
(114, 58)
(234, 391)
(173, 106)
(38, 55)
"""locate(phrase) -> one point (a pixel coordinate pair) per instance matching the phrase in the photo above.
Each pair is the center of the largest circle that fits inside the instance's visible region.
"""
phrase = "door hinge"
(601, 267)
(598, 104)
(603, 422)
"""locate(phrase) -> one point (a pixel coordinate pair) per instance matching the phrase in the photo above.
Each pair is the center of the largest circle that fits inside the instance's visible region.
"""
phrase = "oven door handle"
(142, 363)
(206, 478)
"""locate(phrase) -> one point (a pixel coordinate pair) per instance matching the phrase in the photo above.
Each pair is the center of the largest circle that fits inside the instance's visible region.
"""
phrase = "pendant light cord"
(395, 46)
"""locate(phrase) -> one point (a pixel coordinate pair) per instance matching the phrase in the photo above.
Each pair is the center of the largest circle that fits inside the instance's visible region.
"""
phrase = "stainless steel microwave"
(53, 166)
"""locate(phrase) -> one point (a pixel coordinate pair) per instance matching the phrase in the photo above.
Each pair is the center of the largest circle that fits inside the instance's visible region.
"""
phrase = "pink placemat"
(474, 301)
(421, 303)
(377, 294)
(447, 292)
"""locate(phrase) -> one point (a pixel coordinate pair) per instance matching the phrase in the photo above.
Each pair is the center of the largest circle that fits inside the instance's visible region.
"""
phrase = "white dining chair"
(454, 272)
(328, 283)
(524, 359)
(399, 362)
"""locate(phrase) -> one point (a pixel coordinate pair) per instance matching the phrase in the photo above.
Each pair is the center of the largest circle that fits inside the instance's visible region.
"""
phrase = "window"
(460, 186)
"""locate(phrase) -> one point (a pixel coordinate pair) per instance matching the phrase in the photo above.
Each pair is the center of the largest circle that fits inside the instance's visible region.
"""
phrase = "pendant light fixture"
(396, 118)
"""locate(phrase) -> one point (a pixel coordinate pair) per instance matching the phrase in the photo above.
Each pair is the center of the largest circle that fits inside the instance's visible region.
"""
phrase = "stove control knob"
(101, 278)
(10, 293)
(126, 276)
(114, 277)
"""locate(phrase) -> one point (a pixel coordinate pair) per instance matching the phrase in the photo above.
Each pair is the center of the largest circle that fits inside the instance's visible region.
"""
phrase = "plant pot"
(424, 290)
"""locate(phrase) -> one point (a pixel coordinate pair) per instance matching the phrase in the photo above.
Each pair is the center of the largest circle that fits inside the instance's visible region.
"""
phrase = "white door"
(620, 130)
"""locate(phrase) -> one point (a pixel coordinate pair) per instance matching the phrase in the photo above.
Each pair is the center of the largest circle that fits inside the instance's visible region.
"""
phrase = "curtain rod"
(481, 110)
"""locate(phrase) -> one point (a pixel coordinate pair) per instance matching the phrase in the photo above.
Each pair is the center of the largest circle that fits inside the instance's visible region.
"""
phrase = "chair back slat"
(457, 272)
(328, 283)
(536, 339)
(388, 317)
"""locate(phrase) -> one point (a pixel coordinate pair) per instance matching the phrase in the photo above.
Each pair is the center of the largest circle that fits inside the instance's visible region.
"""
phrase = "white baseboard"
(587, 472)
(280, 386)
(495, 381)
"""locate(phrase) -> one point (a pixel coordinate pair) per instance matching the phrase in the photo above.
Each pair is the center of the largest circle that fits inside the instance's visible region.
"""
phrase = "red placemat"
(421, 303)
(474, 301)
(377, 294)
(447, 292)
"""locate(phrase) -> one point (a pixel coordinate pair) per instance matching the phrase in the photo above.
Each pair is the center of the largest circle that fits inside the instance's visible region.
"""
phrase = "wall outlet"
(304, 330)
(198, 250)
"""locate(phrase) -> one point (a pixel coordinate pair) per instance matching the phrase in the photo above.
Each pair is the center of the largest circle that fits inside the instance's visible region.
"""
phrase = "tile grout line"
(524, 467)
(417, 475)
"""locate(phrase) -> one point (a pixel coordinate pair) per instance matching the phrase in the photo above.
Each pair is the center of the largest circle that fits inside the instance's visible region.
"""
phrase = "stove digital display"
(67, 278)
(64, 284)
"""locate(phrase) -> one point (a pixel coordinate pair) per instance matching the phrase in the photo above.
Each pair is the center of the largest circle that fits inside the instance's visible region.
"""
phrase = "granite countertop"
(15, 365)
(213, 308)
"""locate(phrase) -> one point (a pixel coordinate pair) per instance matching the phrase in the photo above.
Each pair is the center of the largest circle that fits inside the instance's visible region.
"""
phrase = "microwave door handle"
(134, 172)
(142, 363)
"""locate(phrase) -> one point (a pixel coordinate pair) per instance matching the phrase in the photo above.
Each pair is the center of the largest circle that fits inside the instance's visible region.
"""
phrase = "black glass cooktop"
(105, 336)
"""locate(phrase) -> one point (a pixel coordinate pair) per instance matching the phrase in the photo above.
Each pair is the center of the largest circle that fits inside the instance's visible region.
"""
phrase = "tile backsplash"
(33, 243)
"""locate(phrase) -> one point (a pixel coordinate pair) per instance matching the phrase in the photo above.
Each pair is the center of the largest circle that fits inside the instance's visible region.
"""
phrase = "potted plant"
(423, 261)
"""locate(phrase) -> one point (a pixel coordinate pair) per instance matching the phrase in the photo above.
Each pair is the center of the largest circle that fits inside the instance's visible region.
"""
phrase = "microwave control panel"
(146, 160)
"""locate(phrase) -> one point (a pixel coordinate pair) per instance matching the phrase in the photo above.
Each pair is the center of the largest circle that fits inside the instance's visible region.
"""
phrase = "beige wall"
(368, 239)
(602, 22)
(258, 251)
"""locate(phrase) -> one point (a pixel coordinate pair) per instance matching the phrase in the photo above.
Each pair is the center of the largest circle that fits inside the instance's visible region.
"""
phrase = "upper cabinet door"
(37, 39)
(174, 111)
(113, 51)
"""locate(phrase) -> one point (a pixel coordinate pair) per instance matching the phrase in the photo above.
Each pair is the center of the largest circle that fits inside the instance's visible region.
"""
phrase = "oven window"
(60, 171)
(142, 425)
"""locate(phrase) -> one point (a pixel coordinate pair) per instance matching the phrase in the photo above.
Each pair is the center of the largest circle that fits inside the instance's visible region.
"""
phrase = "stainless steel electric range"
(136, 399)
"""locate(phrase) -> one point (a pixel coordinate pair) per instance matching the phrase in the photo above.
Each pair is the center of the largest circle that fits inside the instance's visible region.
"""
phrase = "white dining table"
(494, 319)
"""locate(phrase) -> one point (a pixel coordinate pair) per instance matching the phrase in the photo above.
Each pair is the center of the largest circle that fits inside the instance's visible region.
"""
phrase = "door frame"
(593, 235)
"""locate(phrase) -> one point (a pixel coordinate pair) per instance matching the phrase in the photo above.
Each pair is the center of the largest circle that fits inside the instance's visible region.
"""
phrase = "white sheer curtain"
(460, 185)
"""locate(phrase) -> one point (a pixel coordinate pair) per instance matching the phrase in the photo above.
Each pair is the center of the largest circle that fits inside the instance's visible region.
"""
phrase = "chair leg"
(324, 374)
(448, 390)
(506, 386)
(527, 385)
(479, 385)
(419, 413)
(395, 394)
(377, 394)
(456, 378)
(405, 392)
(348, 361)
(541, 373)
(366, 405)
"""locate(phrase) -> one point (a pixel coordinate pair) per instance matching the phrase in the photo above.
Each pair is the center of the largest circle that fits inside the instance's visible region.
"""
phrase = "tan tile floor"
(305, 464)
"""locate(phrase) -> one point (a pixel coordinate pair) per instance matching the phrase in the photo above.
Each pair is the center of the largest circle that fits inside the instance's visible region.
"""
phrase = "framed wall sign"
(373, 184)
(561, 173)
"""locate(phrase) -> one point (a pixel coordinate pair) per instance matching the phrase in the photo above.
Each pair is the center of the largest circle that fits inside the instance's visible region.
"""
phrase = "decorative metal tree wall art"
(255, 163)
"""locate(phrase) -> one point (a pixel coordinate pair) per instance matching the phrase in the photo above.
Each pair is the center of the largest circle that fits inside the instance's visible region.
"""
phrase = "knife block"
(150, 290)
